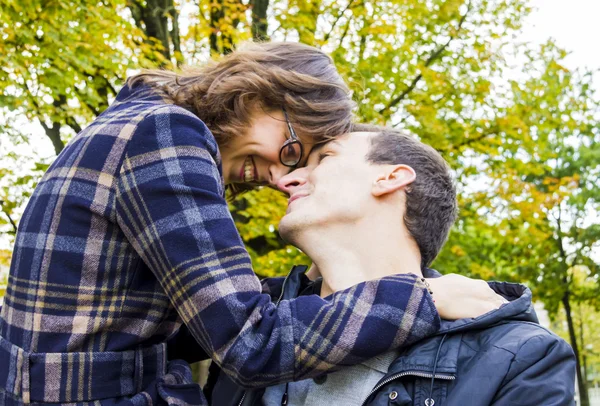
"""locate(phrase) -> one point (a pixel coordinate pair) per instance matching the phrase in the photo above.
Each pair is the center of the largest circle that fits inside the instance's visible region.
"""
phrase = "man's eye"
(322, 156)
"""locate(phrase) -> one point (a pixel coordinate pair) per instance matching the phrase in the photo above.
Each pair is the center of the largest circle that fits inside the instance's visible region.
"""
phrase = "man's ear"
(396, 178)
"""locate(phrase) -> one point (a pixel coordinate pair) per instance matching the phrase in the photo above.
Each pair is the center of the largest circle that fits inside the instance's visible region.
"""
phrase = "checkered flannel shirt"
(128, 236)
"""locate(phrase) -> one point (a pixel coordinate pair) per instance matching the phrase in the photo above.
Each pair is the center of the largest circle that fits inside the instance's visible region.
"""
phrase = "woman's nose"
(276, 173)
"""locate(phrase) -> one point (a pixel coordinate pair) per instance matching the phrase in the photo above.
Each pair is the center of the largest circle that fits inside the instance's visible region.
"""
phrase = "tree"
(5, 256)
(159, 20)
(524, 150)
(544, 193)
(61, 64)
(431, 65)
(587, 322)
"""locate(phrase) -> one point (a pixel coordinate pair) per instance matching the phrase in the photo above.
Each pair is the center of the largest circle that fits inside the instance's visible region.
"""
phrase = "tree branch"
(52, 132)
(346, 29)
(340, 15)
(174, 33)
(259, 20)
(71, 122)
(436, 54)
(470, 141)
(12, 222)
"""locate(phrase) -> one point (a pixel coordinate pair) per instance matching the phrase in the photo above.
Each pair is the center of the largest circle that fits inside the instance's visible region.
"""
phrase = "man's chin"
(291, 226)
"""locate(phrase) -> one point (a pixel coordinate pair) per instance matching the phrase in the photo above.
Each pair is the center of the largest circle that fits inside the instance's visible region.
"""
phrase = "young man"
(384, 202)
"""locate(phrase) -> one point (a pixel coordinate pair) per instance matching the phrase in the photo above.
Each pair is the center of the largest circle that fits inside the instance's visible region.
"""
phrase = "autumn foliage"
(520, 130)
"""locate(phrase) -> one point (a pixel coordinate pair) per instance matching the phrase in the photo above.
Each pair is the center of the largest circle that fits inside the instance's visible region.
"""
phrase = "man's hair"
(431, 206)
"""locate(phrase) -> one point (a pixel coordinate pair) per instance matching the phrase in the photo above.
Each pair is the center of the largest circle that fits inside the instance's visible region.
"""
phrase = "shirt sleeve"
(171, 207)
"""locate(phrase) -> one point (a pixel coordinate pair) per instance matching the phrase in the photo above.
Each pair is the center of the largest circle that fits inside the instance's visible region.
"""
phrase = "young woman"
(127, 238)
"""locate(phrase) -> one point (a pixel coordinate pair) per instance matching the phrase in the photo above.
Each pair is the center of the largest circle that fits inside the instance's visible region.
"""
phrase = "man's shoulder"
(511, 336)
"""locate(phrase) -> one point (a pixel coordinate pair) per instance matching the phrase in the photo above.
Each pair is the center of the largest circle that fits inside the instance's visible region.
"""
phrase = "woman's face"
(254, 156)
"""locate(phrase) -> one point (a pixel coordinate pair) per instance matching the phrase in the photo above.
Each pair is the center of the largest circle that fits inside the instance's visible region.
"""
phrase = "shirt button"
(320, 380)
(393, 395)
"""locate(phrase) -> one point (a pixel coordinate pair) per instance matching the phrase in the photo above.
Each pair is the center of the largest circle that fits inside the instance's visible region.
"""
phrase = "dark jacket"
(501, 358)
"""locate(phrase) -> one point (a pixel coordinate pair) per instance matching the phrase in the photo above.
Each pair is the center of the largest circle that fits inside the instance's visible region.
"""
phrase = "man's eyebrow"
(317, 147)
(322, 145)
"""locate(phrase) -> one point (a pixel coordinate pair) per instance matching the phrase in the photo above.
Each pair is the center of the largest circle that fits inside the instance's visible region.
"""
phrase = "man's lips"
(296, 197)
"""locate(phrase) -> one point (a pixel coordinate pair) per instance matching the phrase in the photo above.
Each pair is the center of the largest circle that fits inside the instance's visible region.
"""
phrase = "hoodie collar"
(421, 357)
(518, 308)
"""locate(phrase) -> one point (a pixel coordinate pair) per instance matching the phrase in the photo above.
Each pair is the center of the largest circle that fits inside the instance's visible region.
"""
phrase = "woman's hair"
(270, 76)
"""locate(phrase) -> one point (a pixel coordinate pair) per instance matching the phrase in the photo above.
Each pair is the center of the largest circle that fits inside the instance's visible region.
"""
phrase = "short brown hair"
(269, 75)
(431, 206)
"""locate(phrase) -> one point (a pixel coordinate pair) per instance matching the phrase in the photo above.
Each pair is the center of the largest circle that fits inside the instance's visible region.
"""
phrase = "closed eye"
(322, 156)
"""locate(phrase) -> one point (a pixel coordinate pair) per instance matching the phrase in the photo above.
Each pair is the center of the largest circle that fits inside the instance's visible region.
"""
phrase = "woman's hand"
(459, 297)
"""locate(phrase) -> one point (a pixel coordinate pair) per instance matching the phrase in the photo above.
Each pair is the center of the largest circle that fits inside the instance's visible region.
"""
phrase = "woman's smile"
(248, 172)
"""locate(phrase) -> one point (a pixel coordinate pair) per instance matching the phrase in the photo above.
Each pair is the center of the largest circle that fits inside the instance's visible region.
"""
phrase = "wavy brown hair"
(270, 76)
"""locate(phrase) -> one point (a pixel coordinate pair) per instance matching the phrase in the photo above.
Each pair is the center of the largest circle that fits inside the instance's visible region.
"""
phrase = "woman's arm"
(170, 205)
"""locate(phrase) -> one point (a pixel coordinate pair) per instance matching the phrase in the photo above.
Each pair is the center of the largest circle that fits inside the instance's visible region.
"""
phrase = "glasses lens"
(290, 153)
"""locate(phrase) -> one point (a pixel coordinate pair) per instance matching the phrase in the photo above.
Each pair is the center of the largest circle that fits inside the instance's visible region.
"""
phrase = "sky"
(573, 24)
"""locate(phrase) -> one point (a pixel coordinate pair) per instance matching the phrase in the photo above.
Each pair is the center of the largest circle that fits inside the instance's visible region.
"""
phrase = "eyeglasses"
(291, 151)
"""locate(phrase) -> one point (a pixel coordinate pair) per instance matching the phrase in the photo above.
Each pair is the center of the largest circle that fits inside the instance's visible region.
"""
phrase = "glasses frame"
(292, 140)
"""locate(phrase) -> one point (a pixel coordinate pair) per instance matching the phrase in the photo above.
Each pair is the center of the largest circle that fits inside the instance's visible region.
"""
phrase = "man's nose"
(292, 180)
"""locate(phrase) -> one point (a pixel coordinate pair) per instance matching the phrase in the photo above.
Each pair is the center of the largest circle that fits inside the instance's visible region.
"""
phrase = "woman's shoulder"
(166, 133)
(146, 112)
(177, 125)
(142, 100)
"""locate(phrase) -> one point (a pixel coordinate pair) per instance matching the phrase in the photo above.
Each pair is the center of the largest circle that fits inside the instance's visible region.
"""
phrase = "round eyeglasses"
(291, 151)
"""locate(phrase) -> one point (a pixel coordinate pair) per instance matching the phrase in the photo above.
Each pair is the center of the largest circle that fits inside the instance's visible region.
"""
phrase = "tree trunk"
(174, 33)
(310, 10)
(221, 42)
(153, 18)
(217, 11)
(582, 342)
(54, 134)
(583, 392)
(259, 20)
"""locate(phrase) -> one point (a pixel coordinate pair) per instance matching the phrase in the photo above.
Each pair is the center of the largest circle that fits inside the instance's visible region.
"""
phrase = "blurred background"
(506, 90)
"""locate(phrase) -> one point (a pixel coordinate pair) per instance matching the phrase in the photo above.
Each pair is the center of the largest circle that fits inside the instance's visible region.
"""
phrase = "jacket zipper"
(283, 289)
(411, 373)
(276, 304)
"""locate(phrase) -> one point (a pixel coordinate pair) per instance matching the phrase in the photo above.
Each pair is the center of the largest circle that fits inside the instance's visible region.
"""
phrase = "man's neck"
(348, 255)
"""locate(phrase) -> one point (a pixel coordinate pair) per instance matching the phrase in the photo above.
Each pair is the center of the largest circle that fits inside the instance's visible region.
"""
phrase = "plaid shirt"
(127, 237)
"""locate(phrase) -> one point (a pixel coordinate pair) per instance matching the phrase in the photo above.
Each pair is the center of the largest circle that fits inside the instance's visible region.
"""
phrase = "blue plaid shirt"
(126, 238)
